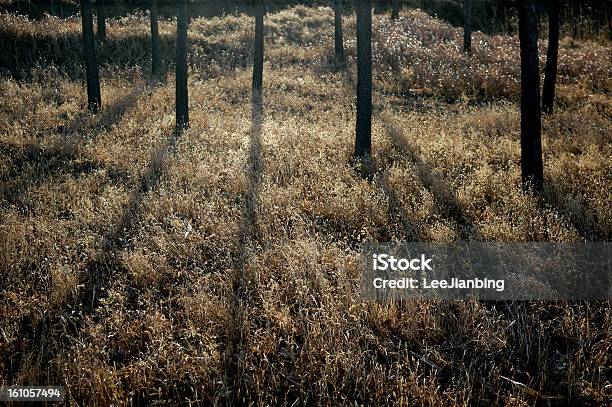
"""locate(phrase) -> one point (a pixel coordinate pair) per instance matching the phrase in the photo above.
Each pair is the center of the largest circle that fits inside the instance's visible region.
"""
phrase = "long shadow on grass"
(442, 192)
(584, 222)
(108, 116)
(396, 212)
(248, 234)
(101, 268)
(33, 165)
(97, 275)
(450, 207)
(36, 165)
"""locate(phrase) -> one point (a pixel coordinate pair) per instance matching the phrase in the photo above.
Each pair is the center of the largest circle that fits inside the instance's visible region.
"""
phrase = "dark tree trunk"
(258, 54)
(339, 41)
(155, 54)
(363, 137)
(550, 78)
(531, 125)
(101, 12)
(467, 26)
(394, 9)
(94, 100)
(182, 101)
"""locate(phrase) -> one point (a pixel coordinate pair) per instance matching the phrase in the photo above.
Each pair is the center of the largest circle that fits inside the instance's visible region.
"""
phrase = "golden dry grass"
(221, 264)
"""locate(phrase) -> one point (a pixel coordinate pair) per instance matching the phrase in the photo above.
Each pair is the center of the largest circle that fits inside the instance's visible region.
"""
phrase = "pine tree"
(531, 117)
(259, 46)
(339, 41)
(552, 55)
(467, 26)
(101, 12)
(182, 98)
(394, 9)
(94, 99)
(363, 136)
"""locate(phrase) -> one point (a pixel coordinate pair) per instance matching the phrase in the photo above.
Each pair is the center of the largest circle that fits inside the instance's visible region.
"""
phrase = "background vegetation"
(221, 264)
(581, 18)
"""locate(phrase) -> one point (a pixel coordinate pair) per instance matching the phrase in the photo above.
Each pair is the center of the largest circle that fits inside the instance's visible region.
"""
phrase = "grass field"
(140, 265)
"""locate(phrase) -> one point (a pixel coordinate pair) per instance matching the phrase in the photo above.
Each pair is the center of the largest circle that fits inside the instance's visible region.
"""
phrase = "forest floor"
(222, 263)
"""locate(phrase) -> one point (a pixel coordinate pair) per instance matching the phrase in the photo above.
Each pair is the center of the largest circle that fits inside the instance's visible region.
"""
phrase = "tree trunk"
(339, 41)
(394, 9)
(550, 78)
(101, 12)
(258, 54)
(94, 100)
(363, 137)
(467, 26)
(155, 54)
(182, 102)
(531, 121)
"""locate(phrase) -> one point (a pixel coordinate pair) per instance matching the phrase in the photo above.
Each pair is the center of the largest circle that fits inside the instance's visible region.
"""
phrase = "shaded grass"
(248, 237)
(226, 268)
(32, 164)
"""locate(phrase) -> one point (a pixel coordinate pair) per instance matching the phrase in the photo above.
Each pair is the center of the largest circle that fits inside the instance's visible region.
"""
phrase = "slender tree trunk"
(339, 41)
(101, 12)
(182, 101)
(94, 100)
(258, 54)
(394, 9)
(531, 121)
(467, 26)
(155, 54)
(363, 137)
(550, 78)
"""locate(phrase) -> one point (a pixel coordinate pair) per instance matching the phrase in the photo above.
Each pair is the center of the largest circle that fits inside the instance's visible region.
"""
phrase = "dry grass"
(221, 264)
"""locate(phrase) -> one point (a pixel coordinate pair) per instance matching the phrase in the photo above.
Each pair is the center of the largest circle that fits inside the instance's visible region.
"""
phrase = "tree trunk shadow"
(60, 157)
(396, 212)
(108, 115)
(586, 224)
(99, 271)
(101, 268)
(248, 233)
(443, 194)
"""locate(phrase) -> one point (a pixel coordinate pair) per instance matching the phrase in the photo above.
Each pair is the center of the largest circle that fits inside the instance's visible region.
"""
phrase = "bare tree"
(467, 26)
(155, 54)
(394, 9)
(182, 100)
(94, 100)
(531, 117)
(363, 136)
(552, 55)
(101, 12)
(258, 54)
(339, 41)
